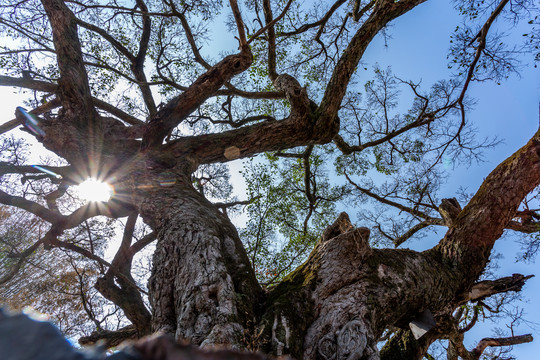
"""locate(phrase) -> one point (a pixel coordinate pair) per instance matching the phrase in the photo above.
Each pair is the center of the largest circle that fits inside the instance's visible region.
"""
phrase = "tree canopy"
(149, 97)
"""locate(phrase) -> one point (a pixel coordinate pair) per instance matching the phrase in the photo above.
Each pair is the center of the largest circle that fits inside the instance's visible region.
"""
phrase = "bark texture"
(346, 294)
(350, 293)
(202, 287)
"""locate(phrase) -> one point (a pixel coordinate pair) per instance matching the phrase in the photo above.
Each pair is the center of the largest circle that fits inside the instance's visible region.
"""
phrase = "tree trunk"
(338, 303)
(202, 287)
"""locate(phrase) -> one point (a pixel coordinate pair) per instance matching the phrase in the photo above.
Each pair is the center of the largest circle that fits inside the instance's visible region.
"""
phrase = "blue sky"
(417, 51)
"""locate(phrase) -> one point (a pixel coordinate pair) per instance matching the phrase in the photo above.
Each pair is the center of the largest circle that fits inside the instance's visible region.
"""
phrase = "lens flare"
(31, 122)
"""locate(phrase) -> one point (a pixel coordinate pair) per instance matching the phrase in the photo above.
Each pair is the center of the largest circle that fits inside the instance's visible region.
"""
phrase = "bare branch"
(487, 288)
(321, 23)
(48, 106)
(117, 112)
(421, 225)
(31, 207)
(28, 83)
(389, 202)
(508, 341)
(139, 245)
(22, 259)
(341, 144)
(110, 338)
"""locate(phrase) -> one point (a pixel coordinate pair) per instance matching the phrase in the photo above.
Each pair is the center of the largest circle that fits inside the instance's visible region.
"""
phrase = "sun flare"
(94, 190)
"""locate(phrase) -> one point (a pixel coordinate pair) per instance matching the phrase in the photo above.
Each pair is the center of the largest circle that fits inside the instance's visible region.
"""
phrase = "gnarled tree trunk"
(338, 303)
(202, 286)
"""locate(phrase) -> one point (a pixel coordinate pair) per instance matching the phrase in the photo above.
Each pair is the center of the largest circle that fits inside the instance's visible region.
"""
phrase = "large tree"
(97, 68)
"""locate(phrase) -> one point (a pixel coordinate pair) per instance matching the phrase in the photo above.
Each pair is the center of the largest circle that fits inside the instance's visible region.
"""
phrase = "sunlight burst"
(94, 190)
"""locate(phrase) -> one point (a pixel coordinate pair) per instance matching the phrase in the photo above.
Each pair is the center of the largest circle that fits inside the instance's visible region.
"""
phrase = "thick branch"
(28, 83)
(383, 13)
(469, 241)
(74, 90)
(487, 288)
(508, 341)
(267, 8)
(123, 292)
(138, 63)
(204, 87)
(31, 207)
(111, 338)
(239, 23)
(527, 228)
(48, 106)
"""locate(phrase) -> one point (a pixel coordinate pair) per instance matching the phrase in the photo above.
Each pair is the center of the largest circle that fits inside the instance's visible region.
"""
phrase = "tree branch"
(270, 26)
(383, 13)
(486, 288)
(183, 105)
(319, 23)
(389, 202)
(111, 338)
(22, 258)
(31, 207)
(508, 341)
(473, 233)
(12, 124)
(139, 245)
(74, 90)
(47, 87)
(239, 23)
(29, 83)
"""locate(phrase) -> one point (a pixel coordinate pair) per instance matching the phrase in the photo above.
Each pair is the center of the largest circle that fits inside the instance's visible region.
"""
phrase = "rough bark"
(74, 90)
(354, 292)
(202, 287)
(350, 289)
(468, 243)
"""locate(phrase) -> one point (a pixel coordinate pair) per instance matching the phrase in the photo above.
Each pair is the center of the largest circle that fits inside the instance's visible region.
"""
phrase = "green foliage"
(286, 217)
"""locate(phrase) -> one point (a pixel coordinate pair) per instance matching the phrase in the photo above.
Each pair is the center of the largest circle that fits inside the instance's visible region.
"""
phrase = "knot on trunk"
(342, 225)
(349, 342)
(295, 93)
(346, 237)
(449, 210)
